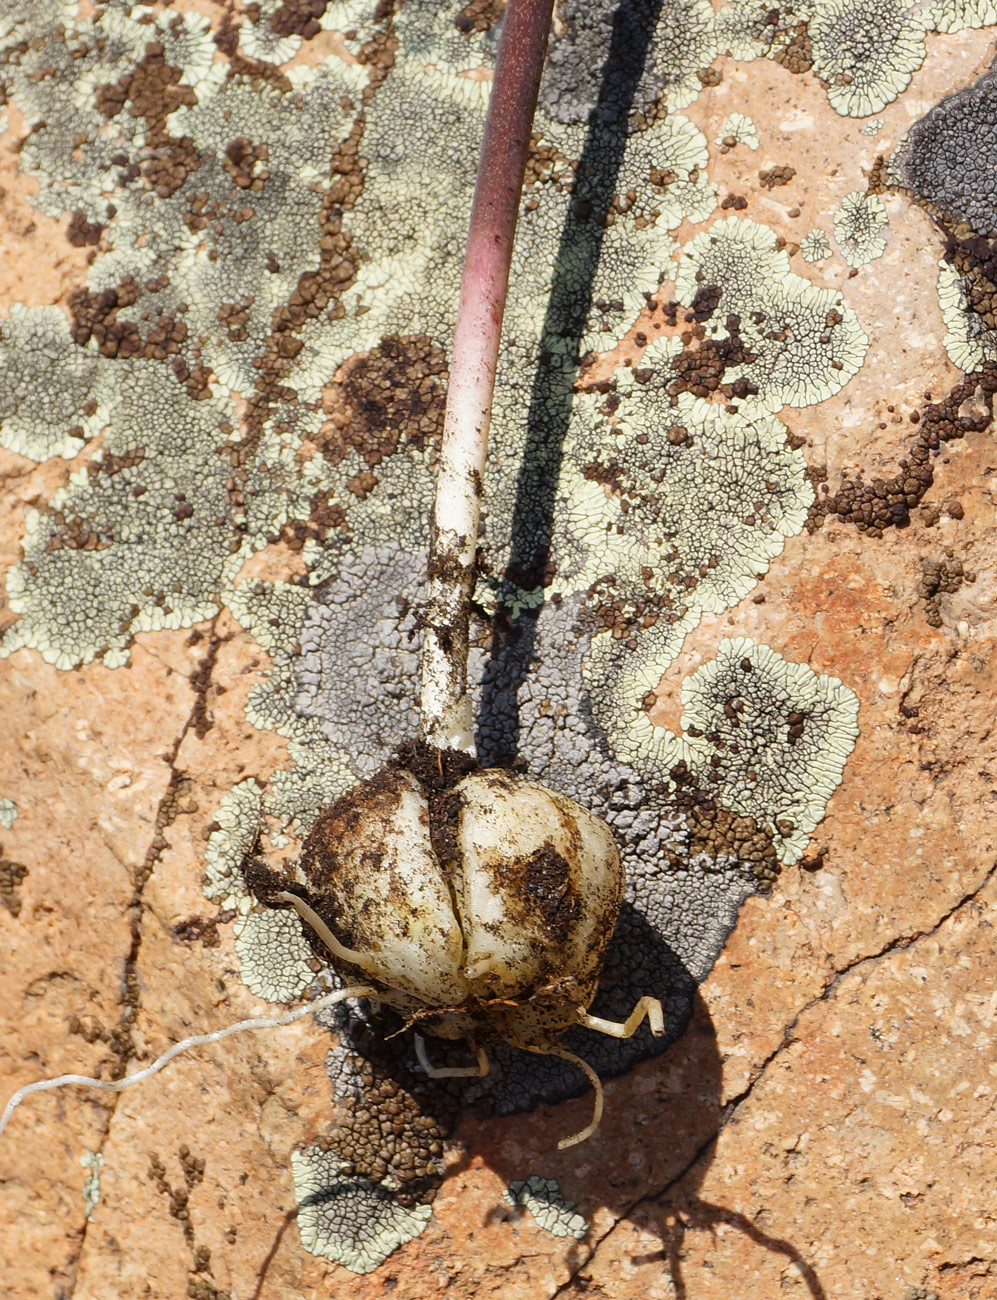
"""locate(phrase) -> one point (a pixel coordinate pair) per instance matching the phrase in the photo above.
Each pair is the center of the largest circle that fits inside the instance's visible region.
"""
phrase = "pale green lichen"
(865, 51)
(752, 29)
(682, 44)
(259, 40)
(969, 341)
(275, 959)
(140, 539)
(864, 54)
(737, 129)
(352, 1221)
(542, 1197)
(860, 227)
(93, 1161)
(815, 246)
(767, 737)
(237, 822)
(51, 401)
(751, 488)
(958, 15)
(8, 813)
(804, 343)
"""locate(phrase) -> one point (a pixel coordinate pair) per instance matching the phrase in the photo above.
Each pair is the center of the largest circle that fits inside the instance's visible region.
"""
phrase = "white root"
(431, 1071)
(647, 1007)
(196, 1040)
(312, 918)
(597, 1102)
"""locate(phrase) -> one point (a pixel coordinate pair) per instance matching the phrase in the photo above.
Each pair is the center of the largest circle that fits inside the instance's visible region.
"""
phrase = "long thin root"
(583, 1134)
(196, 1040)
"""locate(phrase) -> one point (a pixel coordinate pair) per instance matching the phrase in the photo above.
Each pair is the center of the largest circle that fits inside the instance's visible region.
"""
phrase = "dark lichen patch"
(791, 46)
(942, 577)
(947, 159)
(479, 16)
(202, 929)
(386, 399)
(200, 1284)
(12, 875)
(298, 18)
(152, 91)
(718, 835)
(773, 176)
(91, 1029)
(703, 362)
(884, 503)
(395, 1122)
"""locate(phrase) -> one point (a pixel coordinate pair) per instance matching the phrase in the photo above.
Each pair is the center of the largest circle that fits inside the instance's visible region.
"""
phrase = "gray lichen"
(947, 157)
(8, 813)
(354, 1222)
(542, 1197)
(943, 162)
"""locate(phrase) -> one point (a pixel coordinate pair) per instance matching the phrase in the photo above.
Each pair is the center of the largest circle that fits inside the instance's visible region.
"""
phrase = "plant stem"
(446, 708)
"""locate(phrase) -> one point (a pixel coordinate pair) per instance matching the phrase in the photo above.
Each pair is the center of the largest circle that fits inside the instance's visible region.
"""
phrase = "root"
(312, 919)
(196, 1040)
(646, 1007)
(583, 1134)
(477, 1071)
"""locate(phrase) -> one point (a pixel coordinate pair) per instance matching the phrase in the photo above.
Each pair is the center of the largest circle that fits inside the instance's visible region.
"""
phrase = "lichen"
(865, 51)
(274, 955)
(50, 399)
(8, 813)
(142, 538)
(737, 129)
(799, 344)
(863, 54)
(577, 77)
(355, 1222)
(970, 340)
(751, 489)
(815, 246)
(542, 1197)
(93, 1161)
(235, 827)
(767, 737)
(946, 159)
(860, 227)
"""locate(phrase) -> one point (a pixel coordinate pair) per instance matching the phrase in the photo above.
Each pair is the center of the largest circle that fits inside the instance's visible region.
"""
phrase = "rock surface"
(826, 1125)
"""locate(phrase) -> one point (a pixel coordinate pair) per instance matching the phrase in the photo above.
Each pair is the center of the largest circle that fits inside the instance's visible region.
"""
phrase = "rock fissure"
(733, 1105)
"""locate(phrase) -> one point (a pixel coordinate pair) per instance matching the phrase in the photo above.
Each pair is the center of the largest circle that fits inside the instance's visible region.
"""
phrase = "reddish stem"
(446, 712)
